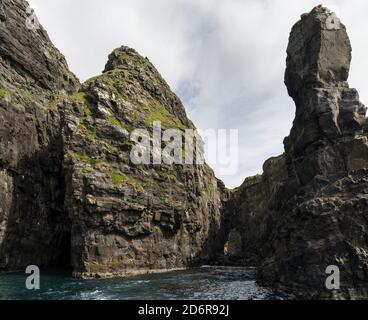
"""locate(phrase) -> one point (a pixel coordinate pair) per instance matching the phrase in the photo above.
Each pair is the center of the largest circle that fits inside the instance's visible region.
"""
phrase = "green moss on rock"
(165, 175)
(88, 131)
(112, 149)
(4, 93)
(97, 163)
(79, 96)
(120, 180)
(114, 121)
(234, 190)
(117, 123)
(157, 112)
(87, 111)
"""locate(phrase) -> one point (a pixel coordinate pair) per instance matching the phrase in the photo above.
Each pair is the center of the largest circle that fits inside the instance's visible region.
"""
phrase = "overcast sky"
(225, 59)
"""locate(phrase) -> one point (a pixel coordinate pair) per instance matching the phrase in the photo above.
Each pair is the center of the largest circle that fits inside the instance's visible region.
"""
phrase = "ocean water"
(215, 283)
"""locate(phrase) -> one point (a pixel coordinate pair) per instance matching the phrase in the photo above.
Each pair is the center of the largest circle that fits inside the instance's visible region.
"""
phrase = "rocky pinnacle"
(308, 211)
(329, 119)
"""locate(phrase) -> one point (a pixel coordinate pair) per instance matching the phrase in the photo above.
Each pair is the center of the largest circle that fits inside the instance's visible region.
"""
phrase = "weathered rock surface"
(316, 213)
(247, 212)
(129, 219)
(69, 193)
(33, 75)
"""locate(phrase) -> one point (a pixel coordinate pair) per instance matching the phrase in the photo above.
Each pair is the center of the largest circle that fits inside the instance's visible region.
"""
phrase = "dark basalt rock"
(317, 213)
(129, 219)
(69, 193)
(33, 75)
(247, 212)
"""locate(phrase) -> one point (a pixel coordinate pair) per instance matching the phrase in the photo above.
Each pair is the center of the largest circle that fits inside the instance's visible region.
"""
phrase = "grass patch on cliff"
(118, 123)
(157, 112)
(79, 96)
(117, 72)
(128, 58)
(209, 190)
(114, 121)
(127, 145)
(4, 93)
(233, 190)
(88, 131)
(254, 178)
(112, 149)
(87, 111)
(97, 163)
(121, 55)
(119, 180)
(165, 175)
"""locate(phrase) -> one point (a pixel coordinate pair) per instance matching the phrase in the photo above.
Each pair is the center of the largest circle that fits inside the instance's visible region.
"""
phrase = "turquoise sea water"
(216, 283)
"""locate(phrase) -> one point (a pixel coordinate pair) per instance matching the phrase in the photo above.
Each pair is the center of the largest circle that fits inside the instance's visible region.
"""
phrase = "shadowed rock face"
(33, 76)
(317, 213)
(247, 213)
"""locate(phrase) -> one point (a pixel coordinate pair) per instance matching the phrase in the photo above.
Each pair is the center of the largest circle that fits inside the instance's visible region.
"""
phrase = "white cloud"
(225, 59)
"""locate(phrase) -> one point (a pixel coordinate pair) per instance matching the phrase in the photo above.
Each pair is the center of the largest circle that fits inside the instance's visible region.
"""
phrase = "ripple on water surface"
(215, 283)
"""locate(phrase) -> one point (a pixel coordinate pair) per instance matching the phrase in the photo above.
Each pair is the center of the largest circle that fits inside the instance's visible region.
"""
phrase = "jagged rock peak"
(131, 74)
(124, 57)
(319, 52)
(327, 110)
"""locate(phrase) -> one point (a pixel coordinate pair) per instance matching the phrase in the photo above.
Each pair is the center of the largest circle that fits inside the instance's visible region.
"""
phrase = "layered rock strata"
(316, 214)
(69, 192)
(126, 218)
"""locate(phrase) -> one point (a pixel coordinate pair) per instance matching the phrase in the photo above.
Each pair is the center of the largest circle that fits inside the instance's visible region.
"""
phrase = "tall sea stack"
(309, 210)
